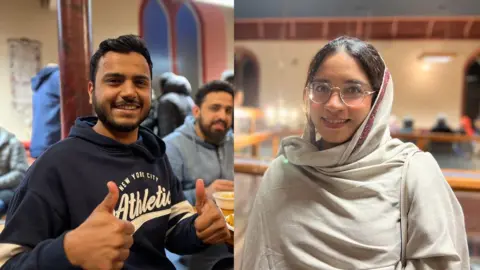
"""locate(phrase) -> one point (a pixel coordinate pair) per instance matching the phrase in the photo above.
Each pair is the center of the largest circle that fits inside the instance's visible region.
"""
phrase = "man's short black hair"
(122, 44)
(213, 86)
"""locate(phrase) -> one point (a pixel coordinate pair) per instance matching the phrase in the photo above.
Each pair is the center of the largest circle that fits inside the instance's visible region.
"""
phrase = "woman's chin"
(335, 137)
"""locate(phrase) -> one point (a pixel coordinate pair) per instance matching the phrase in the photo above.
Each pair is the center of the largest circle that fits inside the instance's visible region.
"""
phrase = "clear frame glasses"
(351, 94)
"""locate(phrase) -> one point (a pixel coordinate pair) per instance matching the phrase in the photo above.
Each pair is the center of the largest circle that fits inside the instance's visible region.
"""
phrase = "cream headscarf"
(370, 146)
(339, 208)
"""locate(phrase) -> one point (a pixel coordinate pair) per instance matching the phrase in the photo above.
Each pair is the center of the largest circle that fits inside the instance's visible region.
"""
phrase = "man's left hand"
(210, 224)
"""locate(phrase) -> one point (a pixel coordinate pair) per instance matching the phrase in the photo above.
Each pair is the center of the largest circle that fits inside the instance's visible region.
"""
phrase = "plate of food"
(230, 219)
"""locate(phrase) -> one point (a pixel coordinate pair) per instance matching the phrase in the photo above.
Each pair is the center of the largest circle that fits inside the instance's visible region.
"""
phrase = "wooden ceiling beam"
(394, 28)
(325, 30)
(359, 28)
(467, 28)
(261, 30)
(429, 32)
(293, 29)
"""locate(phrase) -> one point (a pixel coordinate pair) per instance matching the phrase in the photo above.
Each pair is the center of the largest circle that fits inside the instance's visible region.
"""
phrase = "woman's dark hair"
(365, 54)
(123, 44)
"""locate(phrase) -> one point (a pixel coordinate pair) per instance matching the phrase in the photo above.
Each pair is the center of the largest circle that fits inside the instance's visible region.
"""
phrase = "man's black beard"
(110, 123)
(212, 137)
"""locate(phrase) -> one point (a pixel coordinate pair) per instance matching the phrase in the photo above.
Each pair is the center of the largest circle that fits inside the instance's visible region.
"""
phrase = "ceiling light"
(437, 57)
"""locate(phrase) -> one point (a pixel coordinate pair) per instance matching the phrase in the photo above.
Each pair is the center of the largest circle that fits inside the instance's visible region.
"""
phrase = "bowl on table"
(224, 199)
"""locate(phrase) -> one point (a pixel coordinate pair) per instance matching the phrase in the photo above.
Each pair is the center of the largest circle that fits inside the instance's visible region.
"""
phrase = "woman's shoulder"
(424, 173)
(278, 166)
(423, 162)
(277, 173)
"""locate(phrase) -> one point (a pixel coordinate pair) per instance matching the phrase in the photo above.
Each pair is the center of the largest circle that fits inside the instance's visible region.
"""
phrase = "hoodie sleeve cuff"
(54, 256)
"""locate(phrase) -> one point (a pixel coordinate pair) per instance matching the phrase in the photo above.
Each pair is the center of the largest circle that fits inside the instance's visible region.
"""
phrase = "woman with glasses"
(346, 195)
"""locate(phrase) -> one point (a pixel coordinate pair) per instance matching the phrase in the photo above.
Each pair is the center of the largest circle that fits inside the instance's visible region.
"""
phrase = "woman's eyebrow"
(320, 80)
(355, 82)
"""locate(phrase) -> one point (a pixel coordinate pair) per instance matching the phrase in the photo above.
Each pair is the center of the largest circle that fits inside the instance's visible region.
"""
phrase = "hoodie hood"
(148, 145)
(42, 76)
(188, 130)
(177, 84)
(5, 136)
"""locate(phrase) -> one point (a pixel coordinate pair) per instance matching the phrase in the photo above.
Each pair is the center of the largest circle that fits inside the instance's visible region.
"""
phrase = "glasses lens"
(352, 95)
(320, 92)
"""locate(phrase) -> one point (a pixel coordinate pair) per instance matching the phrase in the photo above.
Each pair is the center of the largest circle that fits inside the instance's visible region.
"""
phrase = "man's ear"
(90, 91)
(196, 111)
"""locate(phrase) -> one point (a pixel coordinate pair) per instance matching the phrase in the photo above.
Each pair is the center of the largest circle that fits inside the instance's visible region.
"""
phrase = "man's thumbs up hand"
(210, 224)
(102, 241)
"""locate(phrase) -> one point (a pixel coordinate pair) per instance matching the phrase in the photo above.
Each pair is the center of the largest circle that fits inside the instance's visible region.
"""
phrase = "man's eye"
(141, 83)
(114, 81)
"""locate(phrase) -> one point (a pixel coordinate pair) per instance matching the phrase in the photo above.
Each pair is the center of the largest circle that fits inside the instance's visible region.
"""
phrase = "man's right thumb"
(200, 195)
(111, 199)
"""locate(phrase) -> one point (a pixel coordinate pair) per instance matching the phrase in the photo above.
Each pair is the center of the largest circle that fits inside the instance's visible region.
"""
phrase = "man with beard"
(106, 197)
(203, 148)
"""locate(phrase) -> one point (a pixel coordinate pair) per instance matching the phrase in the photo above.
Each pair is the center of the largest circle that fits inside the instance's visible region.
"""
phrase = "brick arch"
(189, 46)
(157, 35)
(214, 40)
(213, 36)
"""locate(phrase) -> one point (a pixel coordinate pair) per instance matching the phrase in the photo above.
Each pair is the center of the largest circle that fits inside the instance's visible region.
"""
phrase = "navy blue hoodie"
(68, 181)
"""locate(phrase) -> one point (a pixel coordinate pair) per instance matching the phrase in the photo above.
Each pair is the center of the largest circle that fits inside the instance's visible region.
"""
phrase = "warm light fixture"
(426, 66)
(435, 58)
(225, 3)
(270, 113)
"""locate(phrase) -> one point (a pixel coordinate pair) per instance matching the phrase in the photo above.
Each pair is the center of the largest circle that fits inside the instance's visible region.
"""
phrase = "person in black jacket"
(106, 196)
(174, 105)
(152, 120)
(441, 125)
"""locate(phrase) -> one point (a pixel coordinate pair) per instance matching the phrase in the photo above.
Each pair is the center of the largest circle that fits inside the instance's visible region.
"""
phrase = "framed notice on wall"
(25, 63)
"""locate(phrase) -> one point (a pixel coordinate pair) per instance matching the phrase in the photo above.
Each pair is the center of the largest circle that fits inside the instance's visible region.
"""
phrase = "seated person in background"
(466, 126)
(441, 125)
(13, 165)
(152, 120)
(476, 125)
(407, 125)
(203, 148)
(46, 125)
(64, 217)
(467, 149)
(228, 76)
(174, 105)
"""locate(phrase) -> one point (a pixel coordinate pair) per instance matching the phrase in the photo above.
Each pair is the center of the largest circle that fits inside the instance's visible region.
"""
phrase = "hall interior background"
(432, 49)
(193, 39)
